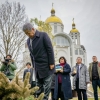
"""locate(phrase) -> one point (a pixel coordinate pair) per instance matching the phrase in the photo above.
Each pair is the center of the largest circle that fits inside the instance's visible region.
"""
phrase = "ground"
(88, 99)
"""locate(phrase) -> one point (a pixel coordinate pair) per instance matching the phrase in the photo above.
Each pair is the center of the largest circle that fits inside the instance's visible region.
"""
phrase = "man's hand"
(74, 73)
(51, 66)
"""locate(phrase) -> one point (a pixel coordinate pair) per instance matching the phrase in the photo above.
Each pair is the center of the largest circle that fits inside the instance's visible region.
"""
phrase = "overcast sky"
(85, 12)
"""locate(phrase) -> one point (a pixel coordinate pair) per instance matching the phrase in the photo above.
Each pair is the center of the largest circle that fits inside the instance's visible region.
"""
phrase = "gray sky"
(85, 12)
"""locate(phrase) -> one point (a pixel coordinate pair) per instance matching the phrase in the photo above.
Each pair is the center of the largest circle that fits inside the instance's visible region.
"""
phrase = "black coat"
(42, 54)
(53, 82)
(66, 83)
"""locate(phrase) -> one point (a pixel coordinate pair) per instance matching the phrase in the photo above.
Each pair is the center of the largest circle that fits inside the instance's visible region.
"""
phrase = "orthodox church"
(67, 45)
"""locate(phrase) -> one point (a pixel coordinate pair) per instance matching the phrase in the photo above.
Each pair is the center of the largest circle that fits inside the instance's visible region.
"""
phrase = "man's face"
(94, 59)
(30, 33)
(8, 57)
(28, 66)
(79, 60)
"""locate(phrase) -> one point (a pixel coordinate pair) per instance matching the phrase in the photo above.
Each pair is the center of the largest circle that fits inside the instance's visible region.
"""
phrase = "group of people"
(58, 81)
(61, 84)
(50, 77)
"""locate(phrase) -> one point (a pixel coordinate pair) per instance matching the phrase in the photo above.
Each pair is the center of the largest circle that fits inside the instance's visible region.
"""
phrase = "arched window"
(76, 52)
(81, 52)
(55, 27)
(61, 41)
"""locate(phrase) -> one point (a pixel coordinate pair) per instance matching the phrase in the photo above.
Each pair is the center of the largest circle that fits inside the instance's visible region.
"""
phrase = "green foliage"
(16, 89)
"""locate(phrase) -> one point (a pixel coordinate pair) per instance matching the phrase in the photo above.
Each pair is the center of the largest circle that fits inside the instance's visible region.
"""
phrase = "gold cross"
(73, 20)
(52, 5)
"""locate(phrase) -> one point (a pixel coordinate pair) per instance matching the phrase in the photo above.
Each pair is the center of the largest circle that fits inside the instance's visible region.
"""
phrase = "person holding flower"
(62, 80)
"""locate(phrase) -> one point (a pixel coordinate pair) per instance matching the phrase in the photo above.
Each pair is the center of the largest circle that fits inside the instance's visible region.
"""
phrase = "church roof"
(74, 30)
(53, 18)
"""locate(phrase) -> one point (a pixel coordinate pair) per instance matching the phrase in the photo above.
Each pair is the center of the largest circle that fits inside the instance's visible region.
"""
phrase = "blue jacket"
(66, 83)
(42, 54)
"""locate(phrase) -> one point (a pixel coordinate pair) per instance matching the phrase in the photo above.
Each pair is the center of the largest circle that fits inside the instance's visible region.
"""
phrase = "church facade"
(67, 45)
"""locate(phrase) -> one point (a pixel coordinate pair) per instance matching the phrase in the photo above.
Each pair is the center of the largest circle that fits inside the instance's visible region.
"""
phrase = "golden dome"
(74, 30)
(53, 19)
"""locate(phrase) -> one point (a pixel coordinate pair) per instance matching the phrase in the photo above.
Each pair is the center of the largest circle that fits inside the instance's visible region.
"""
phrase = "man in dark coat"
(94, 73)
(29, 69)
(42, 56)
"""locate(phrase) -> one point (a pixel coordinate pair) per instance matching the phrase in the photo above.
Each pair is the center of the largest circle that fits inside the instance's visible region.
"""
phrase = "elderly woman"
(62, 81)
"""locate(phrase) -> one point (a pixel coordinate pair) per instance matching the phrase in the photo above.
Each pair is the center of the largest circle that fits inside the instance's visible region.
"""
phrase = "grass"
(91, 89)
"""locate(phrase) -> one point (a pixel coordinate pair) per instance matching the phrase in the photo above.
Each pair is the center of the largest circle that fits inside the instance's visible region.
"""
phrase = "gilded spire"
(73, 24)
(74, 30)
(52, 5)
(73, 20)
(52, 10)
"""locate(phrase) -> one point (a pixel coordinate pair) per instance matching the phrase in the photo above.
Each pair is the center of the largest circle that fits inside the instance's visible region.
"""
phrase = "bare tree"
(12, 18)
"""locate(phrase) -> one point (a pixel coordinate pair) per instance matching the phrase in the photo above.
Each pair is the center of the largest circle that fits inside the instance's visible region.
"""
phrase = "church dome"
(53, 18)
(74, 30)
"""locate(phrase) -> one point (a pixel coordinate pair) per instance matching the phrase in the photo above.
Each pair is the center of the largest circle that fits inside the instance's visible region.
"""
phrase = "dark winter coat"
(42, 54)
(66, 83)
(53, 82)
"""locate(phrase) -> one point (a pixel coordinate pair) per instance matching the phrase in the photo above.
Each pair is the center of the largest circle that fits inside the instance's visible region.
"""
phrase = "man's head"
(8, 56)
(28, 65)
(79, 60)
(94, 58)
(29, 30)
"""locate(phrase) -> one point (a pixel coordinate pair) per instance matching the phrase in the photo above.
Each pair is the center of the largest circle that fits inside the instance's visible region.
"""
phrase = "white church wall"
(63, 52)
(26, 57)
(56, 28)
